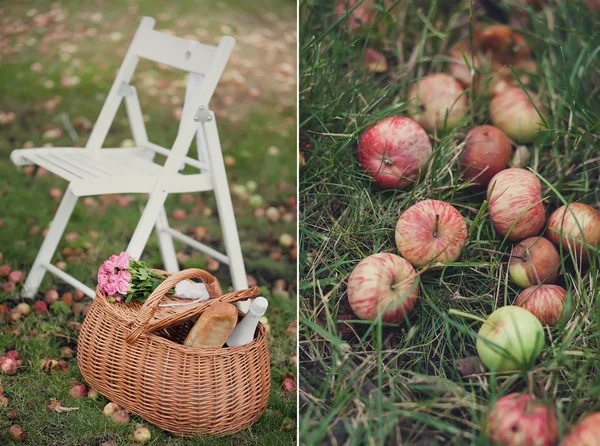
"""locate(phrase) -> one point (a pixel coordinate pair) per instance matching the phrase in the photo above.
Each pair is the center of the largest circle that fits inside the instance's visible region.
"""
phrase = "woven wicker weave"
(128, 354)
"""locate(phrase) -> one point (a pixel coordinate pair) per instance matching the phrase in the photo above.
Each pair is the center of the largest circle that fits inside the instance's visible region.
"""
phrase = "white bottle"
(243, 333)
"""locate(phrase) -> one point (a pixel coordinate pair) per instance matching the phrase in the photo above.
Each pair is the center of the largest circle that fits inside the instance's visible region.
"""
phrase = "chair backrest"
(205, 63)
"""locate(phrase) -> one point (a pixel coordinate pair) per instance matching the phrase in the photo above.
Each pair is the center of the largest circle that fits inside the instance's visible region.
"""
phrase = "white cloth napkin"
(193, 291)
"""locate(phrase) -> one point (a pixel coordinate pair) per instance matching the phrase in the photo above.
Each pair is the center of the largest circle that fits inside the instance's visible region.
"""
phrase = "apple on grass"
(511, 338)
(585, 433)
(487, 151)
(430, 231)
(516, 115)
(570, 225)
(520, 420)
(384, 284)
(533, 261)
(546, 302)
(515, 204)
(436, 101)
(394, 151)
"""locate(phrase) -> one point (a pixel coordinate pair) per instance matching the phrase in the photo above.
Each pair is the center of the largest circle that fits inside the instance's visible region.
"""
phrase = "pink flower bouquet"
(124, 279)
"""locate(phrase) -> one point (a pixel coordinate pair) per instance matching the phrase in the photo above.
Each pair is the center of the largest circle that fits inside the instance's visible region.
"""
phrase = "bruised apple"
(487, 151)
(546, 302)
(569, 225)
(585, 433)
(520, 420)
(430, 231)
(533, 261)
(383, 283)
(515, 204)
(437, 101)
(513, 113)
(394, 151)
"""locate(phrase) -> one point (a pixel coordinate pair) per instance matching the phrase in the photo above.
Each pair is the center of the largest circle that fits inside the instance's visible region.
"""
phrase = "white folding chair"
(94, 170)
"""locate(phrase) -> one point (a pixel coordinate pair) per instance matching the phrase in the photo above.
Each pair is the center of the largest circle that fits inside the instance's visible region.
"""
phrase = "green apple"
(511, 338)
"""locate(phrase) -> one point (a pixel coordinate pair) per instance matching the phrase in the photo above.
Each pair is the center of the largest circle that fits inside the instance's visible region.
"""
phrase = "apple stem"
(505, 254)
(466, 315)
(437, 224)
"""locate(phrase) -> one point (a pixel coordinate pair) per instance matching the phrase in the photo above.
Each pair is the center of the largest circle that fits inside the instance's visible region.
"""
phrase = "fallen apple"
(546, 302)
(487, 151)
(430, 231)
(511, 338)
(383, 284)
(516, 115)
(569, 226)
(585, 433)
(458, 68)
(437, 101)
(394, 151)
(503, 44)
(374, 61)
(520, 420)
(361, 17)
(533, 261)
(515, 204)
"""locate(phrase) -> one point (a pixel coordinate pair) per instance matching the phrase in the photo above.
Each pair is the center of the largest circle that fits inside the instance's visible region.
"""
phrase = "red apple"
(585, 433)
(385, 283)
(572, 222)
(361, 18)
(519, 420)
(394, 151)
(515, 203)
(533, 261)
(513, 113)
(51, 296)
(430, 231)
(437, 101)
(546, 302)
(487, 151)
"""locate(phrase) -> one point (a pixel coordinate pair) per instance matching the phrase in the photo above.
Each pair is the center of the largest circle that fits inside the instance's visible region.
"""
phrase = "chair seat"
(77, 163)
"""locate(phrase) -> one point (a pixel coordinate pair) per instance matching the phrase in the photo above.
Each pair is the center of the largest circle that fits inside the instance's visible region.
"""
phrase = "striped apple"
(383, 283)
(394, 151)
(519, 420)
(546, 302)
(430, 231)
(586, 433)
(515, 203)
(576, 223)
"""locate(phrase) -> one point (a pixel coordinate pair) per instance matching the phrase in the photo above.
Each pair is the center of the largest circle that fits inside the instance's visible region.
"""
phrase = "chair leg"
(35, 276)
(165, 241)
(147, 221)
(225, 208)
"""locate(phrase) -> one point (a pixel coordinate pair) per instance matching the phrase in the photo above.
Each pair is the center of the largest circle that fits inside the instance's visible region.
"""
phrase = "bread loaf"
(213, 326)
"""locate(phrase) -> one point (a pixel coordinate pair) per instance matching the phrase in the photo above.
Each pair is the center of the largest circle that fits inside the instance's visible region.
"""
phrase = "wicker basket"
(128, 354)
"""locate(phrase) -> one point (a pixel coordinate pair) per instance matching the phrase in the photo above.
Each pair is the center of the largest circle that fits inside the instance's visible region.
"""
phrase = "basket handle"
(141, 324)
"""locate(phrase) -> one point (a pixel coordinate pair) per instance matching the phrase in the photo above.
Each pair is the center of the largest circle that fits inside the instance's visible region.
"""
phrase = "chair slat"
(175, 51)
(42, 161)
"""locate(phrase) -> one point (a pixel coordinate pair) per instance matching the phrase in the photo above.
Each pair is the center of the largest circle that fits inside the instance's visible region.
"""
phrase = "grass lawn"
(373, 383)
(58, 61)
